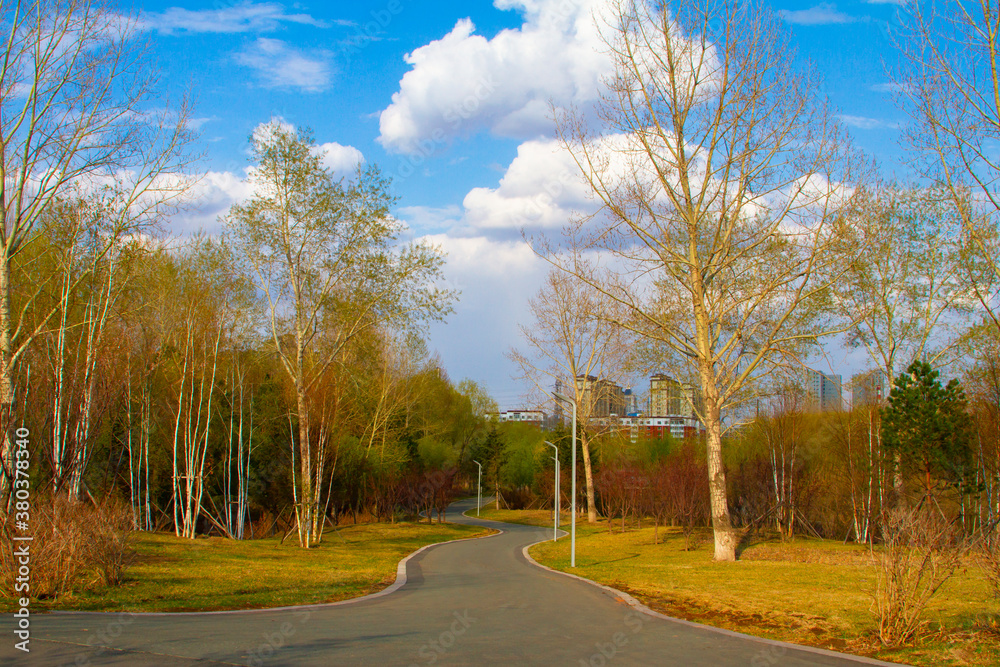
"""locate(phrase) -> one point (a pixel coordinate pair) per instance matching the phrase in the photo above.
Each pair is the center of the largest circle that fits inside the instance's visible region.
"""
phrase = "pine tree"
(928, 426)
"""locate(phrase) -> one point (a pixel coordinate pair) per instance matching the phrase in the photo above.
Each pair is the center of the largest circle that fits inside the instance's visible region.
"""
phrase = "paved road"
(473, 602)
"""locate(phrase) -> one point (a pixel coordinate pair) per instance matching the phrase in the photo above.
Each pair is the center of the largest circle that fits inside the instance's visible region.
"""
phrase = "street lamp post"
(555, 502)
(572, 497)
(479, 488)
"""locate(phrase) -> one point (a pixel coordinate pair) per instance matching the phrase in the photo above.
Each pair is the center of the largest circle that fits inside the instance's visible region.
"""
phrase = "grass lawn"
(807, 591)
(173, 574)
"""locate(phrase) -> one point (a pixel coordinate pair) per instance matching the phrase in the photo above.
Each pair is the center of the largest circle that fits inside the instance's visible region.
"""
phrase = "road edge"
(401, 579)
(640, 607)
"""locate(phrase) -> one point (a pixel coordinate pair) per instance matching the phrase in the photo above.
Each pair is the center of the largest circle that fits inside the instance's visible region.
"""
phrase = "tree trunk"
(6, 383)
(303, 511)
(588, 472)
(726, 538)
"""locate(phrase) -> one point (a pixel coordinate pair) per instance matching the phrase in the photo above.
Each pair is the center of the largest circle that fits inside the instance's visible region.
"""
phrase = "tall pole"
(555, 500)
(572, 499)
(479, 488)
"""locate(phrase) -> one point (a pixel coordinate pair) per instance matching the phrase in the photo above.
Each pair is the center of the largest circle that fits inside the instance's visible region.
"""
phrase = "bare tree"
(782, 425)
(723, 178)
(571, 338)
(952, 90)
(908, 292)
(204, 313)
(863, 471)
(74, 87)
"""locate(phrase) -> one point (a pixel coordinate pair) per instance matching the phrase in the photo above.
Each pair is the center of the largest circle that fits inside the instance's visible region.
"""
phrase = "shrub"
(75, 546)
(920, 552)
(988, 555)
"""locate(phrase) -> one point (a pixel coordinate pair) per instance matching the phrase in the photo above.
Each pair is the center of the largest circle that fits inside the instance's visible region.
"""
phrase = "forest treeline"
(153, 383)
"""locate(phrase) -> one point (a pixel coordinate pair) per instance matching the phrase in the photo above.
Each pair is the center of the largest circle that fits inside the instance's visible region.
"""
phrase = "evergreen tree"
(492, 454)
(928, 426)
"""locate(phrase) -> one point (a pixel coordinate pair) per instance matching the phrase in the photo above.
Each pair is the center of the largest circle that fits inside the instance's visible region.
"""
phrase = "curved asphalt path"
(471, 602)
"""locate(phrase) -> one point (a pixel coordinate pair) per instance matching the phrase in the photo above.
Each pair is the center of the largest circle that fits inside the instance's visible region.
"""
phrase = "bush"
(920, 552)
(519, 498)
(76, 546)
(988, 555)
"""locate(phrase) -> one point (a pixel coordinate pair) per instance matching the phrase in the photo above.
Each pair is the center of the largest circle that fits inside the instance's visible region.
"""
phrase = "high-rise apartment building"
(603, 397)
(631, 402)
(668, 396)
(869, 388)
(823, 389)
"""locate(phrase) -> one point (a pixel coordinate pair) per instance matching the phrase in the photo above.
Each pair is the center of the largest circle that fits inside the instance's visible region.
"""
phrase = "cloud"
(210, 197)
(196, 124)
(464, 82)
(428, 219)
(541, 189)
(822, 14)
(496, 279)
(481, 256)
(281, 66)
(341, 160)
(242, 17)
(215, 191)
(166, 117)
(892, 87)
(865, 123)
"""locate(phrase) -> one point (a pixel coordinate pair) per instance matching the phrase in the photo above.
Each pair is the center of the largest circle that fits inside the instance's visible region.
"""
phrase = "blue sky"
(449, 98)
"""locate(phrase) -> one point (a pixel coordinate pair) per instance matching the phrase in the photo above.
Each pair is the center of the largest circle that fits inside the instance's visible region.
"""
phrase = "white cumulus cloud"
(215, 191)
(541, 189)
(464, 82)
(496, 279)
(210, 197)
(341, 160)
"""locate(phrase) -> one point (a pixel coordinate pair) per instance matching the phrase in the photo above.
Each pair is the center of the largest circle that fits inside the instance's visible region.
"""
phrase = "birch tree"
(572, 337)
(95, 264)
(723, 176)
(325, 256)
(203, 314)
(74, 87)
(783, 427)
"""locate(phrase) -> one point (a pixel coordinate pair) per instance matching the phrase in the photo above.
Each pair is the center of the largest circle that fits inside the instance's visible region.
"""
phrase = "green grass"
(207, 574)
(807, 591)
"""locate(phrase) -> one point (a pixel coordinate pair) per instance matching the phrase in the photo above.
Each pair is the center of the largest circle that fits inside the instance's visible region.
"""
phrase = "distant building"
(604, 397)
(670, 410)
(631, 403)
(668, 396)
(653, 427)
(533, 417)
(823, 390)
(869, 388)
